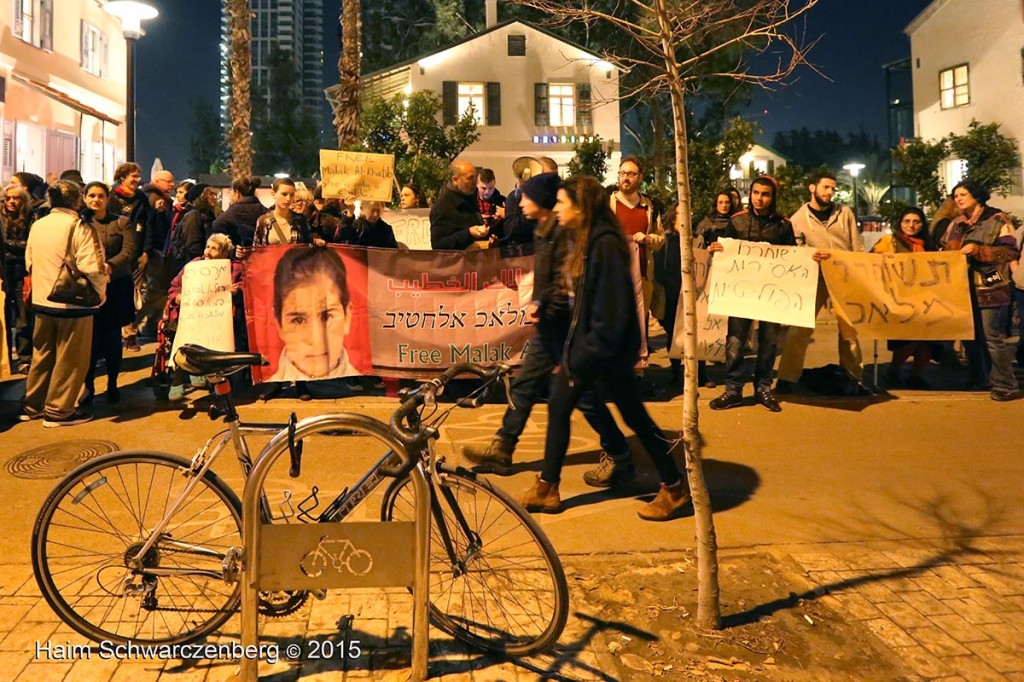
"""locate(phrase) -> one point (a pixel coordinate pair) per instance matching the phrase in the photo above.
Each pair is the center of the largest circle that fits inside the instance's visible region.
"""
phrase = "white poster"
(205, 317)
(412, 228)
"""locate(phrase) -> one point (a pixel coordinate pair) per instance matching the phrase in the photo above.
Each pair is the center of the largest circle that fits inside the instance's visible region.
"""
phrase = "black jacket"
(772, 228)
(190, 237)
(137, 210)
(159, 222)
(605, 332)
(238, 221)
(451, 216)
(710, 229)
(362, 232)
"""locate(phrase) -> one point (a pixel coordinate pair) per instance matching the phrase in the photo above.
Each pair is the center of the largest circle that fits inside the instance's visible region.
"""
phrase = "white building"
(62, 88)
(758, 160)
(533, 93)
(968, 63)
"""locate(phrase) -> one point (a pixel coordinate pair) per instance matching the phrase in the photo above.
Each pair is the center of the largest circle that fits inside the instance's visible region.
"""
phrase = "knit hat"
(73, 176)
(543, 189)
(195, 192)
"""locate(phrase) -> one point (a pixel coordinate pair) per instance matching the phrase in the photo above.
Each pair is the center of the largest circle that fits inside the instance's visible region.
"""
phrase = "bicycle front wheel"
(96, 521)
(496, 582)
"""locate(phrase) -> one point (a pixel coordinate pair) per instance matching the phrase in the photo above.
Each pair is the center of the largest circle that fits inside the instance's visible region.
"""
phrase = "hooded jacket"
(771, 227)
(839, 232)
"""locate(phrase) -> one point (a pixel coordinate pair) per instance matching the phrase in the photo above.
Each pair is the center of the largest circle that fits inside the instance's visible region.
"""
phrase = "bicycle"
(146, 546)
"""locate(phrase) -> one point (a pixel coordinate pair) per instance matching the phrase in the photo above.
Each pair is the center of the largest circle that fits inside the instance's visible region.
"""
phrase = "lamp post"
(854, 169)
(131, 14)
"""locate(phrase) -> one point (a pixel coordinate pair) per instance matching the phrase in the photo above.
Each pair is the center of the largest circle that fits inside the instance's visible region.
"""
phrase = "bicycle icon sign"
(342, 555)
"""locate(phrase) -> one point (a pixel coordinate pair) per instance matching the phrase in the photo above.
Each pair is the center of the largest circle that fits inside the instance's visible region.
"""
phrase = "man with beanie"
(761, 223)
(550, 311)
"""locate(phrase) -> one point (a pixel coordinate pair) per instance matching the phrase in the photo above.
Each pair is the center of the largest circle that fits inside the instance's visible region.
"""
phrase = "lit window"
(562, 104)
(954, 88)
(956, 170)
(472, 94)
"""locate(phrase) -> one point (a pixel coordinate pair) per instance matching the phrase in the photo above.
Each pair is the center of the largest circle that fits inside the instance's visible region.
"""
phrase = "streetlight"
(132, 14)
(854, 169)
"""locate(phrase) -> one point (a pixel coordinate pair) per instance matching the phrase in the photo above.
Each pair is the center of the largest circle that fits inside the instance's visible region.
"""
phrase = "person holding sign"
(455, 220)
(822, 225)
(985, 235)
(282, 225)
(761, 223)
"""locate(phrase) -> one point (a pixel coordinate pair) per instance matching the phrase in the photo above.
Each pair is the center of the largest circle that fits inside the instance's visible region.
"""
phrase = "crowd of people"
(132, 242)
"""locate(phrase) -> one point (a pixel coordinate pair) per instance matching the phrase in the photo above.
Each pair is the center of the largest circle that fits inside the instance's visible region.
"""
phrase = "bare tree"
(346, 111)
(678, 43)
(240, 106)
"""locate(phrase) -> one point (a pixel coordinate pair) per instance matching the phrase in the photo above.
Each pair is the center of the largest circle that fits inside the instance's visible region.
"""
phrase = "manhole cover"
(57, 459)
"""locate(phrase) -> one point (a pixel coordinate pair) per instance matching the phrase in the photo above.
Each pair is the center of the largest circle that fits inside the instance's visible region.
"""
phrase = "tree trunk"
(240, 106)
(709, 611)
(346, 115)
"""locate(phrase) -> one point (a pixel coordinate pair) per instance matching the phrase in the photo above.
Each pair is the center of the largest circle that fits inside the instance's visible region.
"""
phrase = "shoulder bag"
(72, 287)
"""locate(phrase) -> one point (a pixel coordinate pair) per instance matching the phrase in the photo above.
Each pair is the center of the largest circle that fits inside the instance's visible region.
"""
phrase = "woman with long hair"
(15, 221)
(602, 348)
(911, 235)
(117, 240)
(716, 221)
(411, 196)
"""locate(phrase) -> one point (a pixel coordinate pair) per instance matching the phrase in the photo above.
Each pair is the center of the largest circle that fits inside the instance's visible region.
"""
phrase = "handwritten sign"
(711, 329)
(412, 228)
(911, 296)
(760, 281)
(366, 177)
(205, 317)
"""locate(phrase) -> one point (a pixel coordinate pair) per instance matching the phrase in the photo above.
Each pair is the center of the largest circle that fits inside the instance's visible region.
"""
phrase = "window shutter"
(84, 56)
(46, 25)
(540, 104)
(104, 56)
(493, 104)
(450, 102)
(19, 19)
(584, 115)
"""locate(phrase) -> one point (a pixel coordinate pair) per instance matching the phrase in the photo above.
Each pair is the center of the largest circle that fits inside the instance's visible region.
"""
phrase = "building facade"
(295, 27)
(533, 94)
(62, 88)
(968, 64)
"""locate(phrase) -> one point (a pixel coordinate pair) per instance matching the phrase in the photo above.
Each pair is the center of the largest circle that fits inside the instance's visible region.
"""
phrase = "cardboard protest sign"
(761, 281)
(412, 228)
(912, 296)
(359, 175)
(205, 317)
(711, 329)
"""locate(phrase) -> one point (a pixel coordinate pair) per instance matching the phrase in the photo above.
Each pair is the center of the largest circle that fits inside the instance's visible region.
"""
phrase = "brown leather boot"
(668, 504)
(541, 497)
(496, 458)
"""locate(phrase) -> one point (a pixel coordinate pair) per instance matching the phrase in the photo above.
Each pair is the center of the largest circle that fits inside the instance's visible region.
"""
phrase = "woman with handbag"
(118, 242)
(985, 235)
(69, 282)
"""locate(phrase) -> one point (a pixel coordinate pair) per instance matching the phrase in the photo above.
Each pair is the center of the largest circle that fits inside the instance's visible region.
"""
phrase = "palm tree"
(240, 106)
(346, 112)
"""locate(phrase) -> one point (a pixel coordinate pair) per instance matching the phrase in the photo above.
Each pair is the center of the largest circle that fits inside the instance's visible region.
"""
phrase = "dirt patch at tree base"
(774, 628)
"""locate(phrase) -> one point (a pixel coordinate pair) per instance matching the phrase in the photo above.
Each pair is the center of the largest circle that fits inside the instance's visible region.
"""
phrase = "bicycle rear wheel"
(98, 518)
(496, 582)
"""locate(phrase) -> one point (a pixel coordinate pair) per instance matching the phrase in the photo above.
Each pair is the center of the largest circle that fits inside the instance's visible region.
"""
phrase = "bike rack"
(283, 556)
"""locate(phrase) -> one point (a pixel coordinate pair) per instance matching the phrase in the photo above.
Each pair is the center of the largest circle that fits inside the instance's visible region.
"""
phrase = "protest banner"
(431, 309)
(205, 317)
(760, 281)
(711, 329)
(358, 175)
(912, 296)
(412, 228)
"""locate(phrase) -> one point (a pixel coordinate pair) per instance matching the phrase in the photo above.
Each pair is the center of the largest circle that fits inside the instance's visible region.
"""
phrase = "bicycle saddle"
(198, 360)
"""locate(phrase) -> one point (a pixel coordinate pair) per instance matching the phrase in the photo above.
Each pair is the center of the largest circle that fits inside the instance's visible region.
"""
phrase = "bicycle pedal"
(319, 594)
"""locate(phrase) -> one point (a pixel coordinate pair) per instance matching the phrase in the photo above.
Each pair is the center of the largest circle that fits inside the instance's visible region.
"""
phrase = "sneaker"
(669, 503)
(354, 384)
(541, 497)
(131, 343)
(726, 401)
(1006, 396)
(176, 393)
(72, 419)
(496, 458)
(26, 417)
(609, 473)
(767, 399)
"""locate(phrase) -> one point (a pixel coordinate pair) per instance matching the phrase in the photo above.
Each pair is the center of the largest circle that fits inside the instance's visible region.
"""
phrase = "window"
(472, 94)
(94, 50)
(954, 88)
(517, 46)
(24, 19)
(561, 104)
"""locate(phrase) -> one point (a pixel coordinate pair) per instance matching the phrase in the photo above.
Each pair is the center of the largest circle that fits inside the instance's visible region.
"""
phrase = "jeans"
(528, 386)
(767, 341)
(628, 397)
(994, 330)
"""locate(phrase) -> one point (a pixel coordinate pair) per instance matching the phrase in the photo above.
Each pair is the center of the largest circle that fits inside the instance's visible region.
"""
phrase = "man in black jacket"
(158, 276)
(551, 316)
(455, 220)
(759, 224)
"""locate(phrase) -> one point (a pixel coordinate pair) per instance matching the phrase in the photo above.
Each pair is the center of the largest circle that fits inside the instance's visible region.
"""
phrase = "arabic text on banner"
(761, 281)
(412, 228)
(711, 329)
(913, 296)
(205, 317)
(363, 176)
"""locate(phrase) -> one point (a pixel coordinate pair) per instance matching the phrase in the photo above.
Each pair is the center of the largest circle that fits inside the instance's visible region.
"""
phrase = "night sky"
(178, 61)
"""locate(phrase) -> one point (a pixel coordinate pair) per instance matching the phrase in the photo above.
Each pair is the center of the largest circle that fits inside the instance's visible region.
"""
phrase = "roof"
(925, 15)
(768, 149)
(472, 37)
